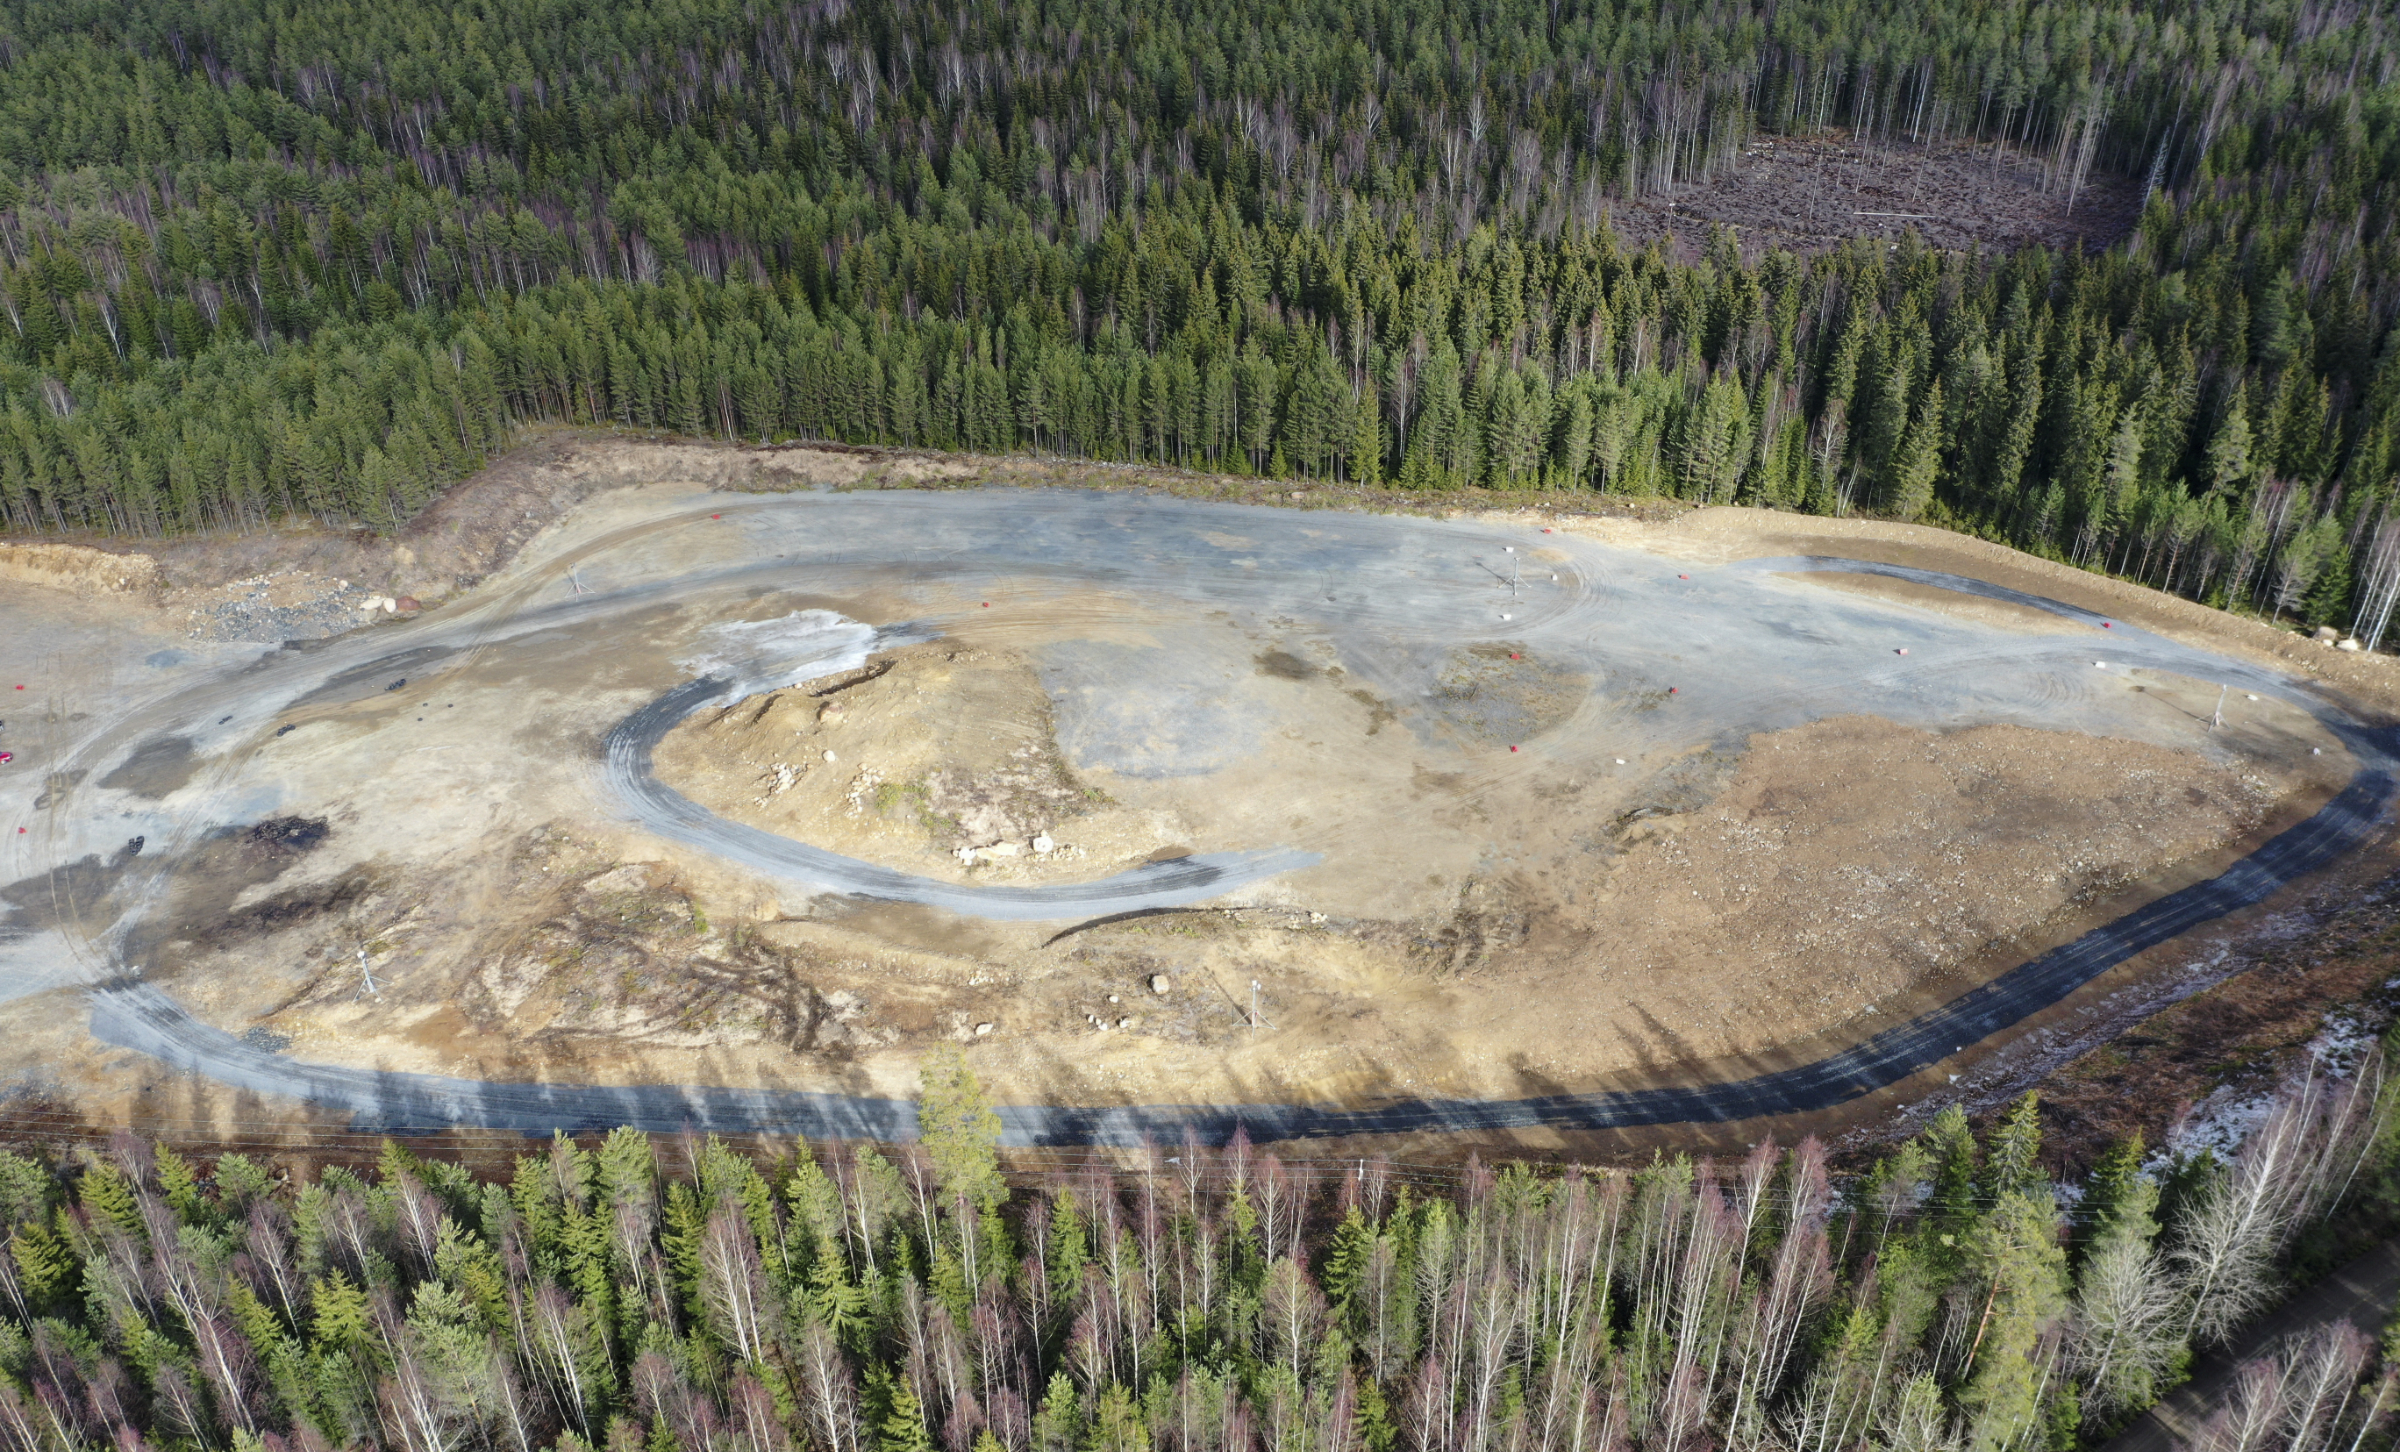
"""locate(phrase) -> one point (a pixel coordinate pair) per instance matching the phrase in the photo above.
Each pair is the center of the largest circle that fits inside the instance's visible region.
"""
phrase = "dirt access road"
(1350, 733)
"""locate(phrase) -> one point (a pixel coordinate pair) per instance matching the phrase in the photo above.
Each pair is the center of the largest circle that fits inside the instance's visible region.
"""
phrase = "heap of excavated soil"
(937, 760)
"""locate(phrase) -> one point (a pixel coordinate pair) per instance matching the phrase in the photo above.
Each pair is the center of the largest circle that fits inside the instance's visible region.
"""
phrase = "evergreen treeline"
(904, 1301)
(260, 258)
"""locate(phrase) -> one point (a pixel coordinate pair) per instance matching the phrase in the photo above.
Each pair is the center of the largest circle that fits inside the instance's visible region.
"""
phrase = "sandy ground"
(1483, 923)
(1724, 535)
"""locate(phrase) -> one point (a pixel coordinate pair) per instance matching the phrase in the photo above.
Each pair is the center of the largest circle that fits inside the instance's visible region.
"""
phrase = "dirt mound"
(73, 567)
(938, 760)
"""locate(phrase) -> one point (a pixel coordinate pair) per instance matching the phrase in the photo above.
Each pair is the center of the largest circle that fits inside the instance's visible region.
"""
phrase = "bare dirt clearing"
(1811, 193)
(1504, 905)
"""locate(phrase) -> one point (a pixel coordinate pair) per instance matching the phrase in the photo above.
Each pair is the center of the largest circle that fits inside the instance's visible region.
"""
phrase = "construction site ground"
(1587, 845)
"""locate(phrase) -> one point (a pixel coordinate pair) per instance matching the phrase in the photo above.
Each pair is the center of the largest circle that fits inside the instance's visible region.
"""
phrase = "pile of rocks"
(294, 605)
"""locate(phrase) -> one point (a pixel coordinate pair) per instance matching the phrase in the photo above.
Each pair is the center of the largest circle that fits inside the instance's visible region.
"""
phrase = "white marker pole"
(2220, 719)
(368, 973)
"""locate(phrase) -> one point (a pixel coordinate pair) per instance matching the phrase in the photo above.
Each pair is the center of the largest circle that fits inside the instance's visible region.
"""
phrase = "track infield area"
(721, 810)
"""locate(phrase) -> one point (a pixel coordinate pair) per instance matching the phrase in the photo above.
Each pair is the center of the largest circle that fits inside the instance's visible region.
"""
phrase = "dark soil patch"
(65, 895)
(158, 766)
(58, 785)
(1498, 693)
(204, 883)
(365, 682)
(280, 837)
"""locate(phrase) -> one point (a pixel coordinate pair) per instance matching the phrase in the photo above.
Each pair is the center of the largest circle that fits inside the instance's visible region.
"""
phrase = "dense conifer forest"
(261, 258)
(675, 1296)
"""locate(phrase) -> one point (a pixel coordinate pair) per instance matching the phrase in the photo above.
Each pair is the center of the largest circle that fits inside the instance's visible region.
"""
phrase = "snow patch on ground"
(2342, 1042)
(2220, 1123)
(2217, 1124)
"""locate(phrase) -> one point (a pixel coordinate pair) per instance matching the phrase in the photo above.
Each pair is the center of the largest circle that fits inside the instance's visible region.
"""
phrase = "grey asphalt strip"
(134, 1014)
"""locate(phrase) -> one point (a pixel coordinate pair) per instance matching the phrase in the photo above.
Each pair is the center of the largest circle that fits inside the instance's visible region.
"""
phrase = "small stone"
(632, 877)
(1124, 1023)
(967, 855)
(1043, 843)
(829, 756)
(1159, 984)
(982, 1029)
(1004, 849)
(1112, 998)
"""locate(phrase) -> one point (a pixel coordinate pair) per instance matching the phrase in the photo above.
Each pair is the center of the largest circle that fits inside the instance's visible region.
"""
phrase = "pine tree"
(2015, 1254)
(903, 1427)
(2230, 463)
(1917, 462)
(2012, 1159)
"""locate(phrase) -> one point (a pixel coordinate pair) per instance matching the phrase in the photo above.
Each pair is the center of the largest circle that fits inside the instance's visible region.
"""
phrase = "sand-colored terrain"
(934, 758)
(1528, 879)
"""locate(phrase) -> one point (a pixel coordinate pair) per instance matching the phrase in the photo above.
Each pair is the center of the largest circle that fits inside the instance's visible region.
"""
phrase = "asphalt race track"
(1388, 593)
